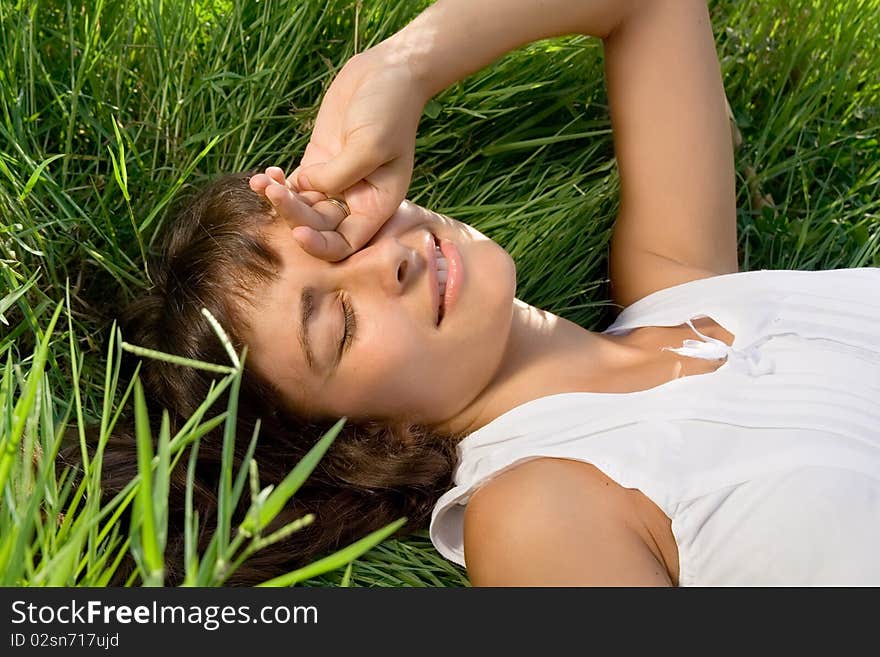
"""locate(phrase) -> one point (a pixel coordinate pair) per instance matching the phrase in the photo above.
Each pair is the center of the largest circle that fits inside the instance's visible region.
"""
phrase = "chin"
(494, 298)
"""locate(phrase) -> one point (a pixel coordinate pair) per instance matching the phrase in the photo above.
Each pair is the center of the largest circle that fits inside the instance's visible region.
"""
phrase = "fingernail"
(304, 181)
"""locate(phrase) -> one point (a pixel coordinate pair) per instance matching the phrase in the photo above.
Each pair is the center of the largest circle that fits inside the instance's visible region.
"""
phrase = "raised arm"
(672, 140)
(454, 38)
(677, 218)
(363, 142)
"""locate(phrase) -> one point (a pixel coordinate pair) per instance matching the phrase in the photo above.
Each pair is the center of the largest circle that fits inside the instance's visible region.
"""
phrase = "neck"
(545, 355)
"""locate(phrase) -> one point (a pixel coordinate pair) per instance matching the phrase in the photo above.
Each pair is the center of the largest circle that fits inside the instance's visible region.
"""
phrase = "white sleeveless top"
(768, 467)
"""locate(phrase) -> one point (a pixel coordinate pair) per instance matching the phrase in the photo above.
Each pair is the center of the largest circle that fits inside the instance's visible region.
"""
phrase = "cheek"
(386, 366)
(490, 294)
(408, 371)
(492, 299)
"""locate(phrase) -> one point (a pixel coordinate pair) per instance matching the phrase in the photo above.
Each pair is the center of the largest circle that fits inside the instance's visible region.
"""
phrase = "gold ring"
(339, 203)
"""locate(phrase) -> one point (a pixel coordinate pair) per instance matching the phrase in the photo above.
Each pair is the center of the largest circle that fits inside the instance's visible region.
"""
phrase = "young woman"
(724, 430)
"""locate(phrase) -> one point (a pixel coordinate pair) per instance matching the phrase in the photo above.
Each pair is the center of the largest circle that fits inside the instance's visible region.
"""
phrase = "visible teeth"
(442, 275)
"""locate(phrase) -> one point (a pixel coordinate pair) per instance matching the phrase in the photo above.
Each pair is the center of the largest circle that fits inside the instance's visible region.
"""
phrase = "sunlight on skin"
(490, 353)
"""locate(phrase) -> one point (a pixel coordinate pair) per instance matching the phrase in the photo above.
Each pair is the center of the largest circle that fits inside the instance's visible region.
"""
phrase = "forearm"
(453, 38)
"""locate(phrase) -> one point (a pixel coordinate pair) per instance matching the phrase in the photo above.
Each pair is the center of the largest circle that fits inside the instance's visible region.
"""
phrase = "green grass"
(107, 109)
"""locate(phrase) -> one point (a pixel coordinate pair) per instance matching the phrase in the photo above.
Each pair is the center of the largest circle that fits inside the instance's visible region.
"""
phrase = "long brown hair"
(213, 256)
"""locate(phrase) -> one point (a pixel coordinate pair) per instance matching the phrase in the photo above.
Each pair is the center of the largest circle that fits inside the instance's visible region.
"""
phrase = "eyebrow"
(306, 310)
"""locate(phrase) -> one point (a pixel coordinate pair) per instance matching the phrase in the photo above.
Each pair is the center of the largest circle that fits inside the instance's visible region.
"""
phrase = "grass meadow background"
(108, 108)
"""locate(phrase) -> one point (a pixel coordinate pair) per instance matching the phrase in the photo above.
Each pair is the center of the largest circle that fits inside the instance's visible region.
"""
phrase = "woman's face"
(400, 362)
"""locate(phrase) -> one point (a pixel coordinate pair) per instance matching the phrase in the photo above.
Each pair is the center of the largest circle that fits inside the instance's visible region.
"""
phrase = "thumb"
(340, 173)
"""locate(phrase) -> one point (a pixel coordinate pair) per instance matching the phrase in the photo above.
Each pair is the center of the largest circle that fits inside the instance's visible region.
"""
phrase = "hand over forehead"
(327, 228)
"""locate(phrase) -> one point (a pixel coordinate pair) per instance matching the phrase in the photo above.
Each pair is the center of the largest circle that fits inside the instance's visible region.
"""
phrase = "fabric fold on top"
(710, 348)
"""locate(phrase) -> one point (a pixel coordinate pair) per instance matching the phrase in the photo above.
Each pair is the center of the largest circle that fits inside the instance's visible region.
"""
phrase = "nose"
(387, 263)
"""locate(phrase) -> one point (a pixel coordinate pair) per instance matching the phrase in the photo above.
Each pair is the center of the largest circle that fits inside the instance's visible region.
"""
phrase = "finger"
(259, 182)
(296, 212)
(326, 244)
(371, 199)
(277, 174)
(352, 233)
(312, 197)
(358, 229)
(309, 239)
(293, 178)
(343, 171)
(388, 186)
(332, 210)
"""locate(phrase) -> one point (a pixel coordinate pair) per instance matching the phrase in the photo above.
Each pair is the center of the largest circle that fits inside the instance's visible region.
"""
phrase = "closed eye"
(350, 330)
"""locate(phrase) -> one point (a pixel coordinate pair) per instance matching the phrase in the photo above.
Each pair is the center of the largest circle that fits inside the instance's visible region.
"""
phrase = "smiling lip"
(454, 278)
(432, 277)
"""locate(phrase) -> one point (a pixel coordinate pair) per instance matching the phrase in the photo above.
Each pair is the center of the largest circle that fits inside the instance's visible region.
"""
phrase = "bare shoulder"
(557, 522)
